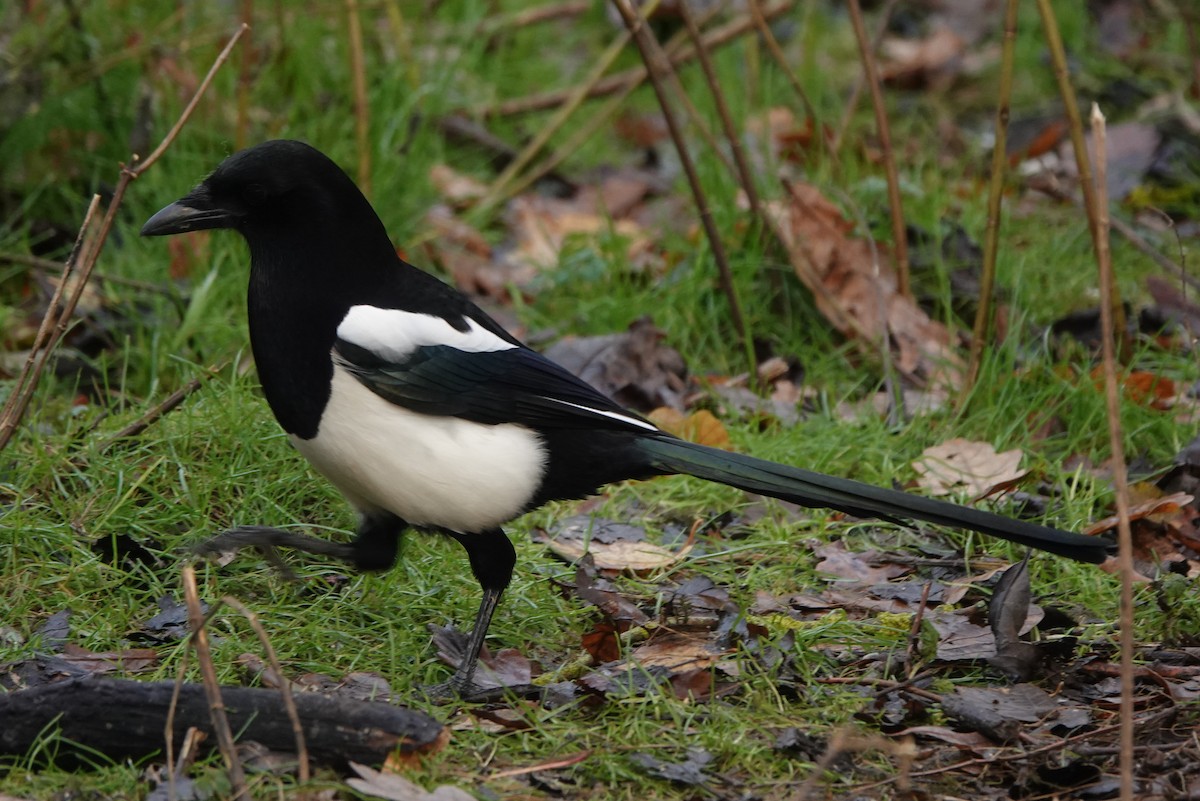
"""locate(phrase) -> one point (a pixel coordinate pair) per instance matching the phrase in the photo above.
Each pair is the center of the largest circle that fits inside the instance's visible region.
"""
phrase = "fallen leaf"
(1166, 505)
(856, 567)
(390, 786)
(933, 62)
(688, 772)
(699, 426)
(636, 368)
(965, 467)
(854, 286)
(627, 551)
(456, 188)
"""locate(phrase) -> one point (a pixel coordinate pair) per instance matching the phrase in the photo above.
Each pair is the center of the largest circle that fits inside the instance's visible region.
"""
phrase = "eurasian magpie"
(425, 413)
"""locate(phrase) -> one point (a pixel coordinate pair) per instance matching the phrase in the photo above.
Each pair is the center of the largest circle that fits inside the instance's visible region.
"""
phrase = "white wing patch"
(394, 335)
(624, 418)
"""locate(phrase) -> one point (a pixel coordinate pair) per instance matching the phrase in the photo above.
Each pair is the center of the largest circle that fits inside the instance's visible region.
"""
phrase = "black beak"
(192, 213)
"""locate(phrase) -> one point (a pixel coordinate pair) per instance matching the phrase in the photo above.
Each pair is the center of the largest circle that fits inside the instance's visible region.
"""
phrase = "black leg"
(378, 542)
(375, 548)
(492, 560)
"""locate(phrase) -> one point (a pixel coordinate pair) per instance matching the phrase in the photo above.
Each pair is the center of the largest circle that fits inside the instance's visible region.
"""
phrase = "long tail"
(861, 500)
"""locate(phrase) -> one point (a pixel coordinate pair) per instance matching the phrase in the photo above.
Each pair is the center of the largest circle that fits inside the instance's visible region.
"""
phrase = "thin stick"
(160, 409)
(585, 131)
(362, 120)
(741, 166)
(169, 726)
(618, 81)
(557, 120)
(871, 76)
(981, 333)
(1058, 57)
(835, 145)
(212, 688)
(58, 267)
(18, 401)
(245, 68)
(656, 65)
(285, 686)
(1119, 476)
(44, 341)
(768, 37)
(186, 115)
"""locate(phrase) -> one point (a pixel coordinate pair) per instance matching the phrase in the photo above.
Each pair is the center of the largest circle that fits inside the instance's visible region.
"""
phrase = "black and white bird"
(426, 414)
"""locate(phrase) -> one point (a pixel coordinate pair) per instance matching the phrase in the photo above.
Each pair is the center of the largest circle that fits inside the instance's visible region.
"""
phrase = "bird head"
(272, 185)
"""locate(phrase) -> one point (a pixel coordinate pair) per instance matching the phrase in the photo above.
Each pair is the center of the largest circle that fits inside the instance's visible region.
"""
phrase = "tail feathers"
(861, 500)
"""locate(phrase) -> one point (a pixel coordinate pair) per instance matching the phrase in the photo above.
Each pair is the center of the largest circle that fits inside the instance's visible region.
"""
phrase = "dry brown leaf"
(854, 286)
(700, 426)
(542, 225)
(676, 653)
(931, 62)
(456, 188)
(964, 467)
(1166, 505)
(634, 557)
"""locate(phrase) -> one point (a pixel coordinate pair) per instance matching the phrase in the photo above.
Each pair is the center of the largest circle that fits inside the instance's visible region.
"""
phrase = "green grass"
(220, 460)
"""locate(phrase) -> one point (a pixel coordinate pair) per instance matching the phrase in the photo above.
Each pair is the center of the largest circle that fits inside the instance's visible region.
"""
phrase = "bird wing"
(453, 366)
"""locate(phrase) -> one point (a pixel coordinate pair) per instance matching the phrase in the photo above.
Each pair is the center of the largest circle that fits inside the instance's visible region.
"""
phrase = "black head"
(273, 185)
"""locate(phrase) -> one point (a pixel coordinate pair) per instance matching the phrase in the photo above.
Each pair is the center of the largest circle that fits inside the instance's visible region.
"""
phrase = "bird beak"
(192, 213)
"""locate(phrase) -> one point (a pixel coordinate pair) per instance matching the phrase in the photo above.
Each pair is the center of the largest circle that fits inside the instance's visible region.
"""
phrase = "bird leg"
(268, 540)
(375, 547)
(492, 559)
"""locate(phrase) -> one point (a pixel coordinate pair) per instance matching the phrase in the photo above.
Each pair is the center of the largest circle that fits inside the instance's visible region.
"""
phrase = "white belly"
(428, 470)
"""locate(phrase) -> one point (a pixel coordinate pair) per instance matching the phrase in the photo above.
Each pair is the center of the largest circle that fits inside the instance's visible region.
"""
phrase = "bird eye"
(255, 194)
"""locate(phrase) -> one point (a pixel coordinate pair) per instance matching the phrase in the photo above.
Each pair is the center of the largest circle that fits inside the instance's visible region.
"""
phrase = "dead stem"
(657, 65)
(871, 76)
(982, 330)
(1120, 479)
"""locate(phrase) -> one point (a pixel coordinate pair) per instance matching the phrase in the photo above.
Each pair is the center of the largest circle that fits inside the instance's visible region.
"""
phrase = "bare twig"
(83, 260)
(619, 81)
(657, 65)
(983, 314)
(585, 131)
(1065, 743)
(1058, 57)
(58, 268)
(835, 144)
(45, 341)
(561, 115)
(362, 118)
(285, 687)
(158, 410)
(1120, 478)
(742, 168)
(871, 76)
(212, 688)
(245, 70)
(764, 31)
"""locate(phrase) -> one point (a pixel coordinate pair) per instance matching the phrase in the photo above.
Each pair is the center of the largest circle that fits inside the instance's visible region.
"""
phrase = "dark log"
(127, 719)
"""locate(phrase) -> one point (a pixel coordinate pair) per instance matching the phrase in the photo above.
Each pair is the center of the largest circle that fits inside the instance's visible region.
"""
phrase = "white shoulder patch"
(394, 335)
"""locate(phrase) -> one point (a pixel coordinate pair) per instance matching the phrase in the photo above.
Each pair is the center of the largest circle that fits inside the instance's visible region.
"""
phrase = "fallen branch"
(87, 712)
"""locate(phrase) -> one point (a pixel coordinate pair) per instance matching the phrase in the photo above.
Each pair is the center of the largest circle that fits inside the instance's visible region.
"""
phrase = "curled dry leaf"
(1154, 507)
(636, 368)
(699, 426)
(393, 787)
(456, 188)
(854, 285)
(964, 467)
(612, 546)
